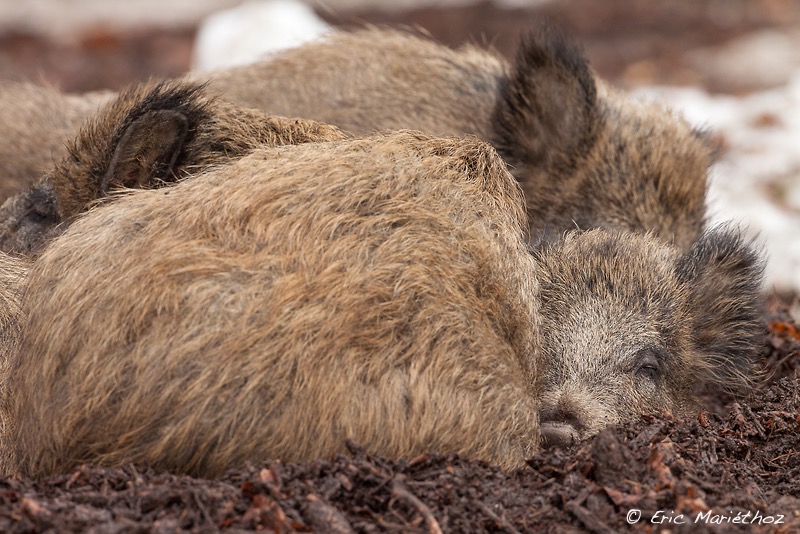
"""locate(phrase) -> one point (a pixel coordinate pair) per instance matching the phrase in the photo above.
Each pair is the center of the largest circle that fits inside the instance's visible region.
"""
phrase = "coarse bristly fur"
(13, 276)
(373, 289)
(586, 155)
(186, 131)
(376, 289)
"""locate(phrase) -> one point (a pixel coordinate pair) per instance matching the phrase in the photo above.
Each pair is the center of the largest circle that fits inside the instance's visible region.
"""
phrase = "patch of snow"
(757, 181)
(252, 30)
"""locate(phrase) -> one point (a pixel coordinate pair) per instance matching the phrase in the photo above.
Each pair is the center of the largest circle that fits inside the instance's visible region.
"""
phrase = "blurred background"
(731, 65)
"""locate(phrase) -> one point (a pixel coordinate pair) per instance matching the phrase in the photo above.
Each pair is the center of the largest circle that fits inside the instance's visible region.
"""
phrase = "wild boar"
(377, 289)
(586, 154)
(174, 125)
(281, 304)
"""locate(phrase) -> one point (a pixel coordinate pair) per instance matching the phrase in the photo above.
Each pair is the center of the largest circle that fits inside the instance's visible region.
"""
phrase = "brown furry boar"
(282, 304)
(376, 289)
(586, 155)
(174, 126)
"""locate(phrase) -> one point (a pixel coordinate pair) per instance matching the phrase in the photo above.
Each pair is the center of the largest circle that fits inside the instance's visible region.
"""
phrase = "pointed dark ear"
(723, 276)
(546, 112)
(140, 139)
(147, 151)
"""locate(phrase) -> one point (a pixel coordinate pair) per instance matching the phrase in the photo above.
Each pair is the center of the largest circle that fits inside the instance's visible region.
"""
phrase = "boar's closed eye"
(648, 364)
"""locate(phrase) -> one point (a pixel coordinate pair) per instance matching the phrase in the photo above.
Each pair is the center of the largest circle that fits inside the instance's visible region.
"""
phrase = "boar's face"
(630, 326)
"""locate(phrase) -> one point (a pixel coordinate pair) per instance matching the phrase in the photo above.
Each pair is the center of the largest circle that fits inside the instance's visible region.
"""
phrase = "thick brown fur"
(371, 289)
(186, 131)
(586, 155)
(13, 276)
(372, 80)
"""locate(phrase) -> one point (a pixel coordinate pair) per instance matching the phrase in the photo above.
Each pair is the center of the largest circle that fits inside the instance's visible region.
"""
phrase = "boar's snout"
(558, 435)
(28, 220)
(560, 426)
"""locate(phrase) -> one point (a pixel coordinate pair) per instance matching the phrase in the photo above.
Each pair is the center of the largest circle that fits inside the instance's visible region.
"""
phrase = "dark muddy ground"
(738, 460)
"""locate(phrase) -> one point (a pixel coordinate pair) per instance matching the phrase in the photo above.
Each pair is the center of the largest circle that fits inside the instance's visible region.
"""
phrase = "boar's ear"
(147, 150)
(139, 140)
(723, 276)
(546, 113)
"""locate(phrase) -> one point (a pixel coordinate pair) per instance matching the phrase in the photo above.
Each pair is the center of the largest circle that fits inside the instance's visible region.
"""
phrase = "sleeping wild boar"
(585, 154)
(630, 326)
(377, 289)
(148, 136)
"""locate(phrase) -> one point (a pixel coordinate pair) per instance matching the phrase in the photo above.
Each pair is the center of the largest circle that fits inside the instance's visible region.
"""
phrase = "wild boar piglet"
(374, 289)
(586, 154)
(149, 136)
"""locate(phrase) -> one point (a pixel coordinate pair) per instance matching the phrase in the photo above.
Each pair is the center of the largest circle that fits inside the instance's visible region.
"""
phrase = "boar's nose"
(558, 428)
(558, 435)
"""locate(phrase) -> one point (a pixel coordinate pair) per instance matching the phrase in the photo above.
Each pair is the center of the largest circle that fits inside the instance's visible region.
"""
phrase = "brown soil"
(734, 458)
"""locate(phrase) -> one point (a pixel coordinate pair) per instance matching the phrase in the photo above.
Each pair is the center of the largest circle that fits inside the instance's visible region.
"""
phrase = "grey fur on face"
(630, 326)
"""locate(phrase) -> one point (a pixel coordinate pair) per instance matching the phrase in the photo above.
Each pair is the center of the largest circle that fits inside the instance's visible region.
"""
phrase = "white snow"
(757, 180)
(252, 30)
